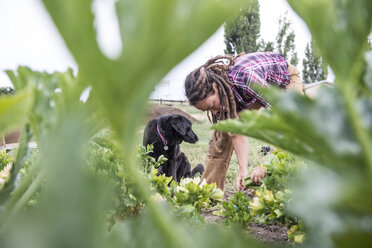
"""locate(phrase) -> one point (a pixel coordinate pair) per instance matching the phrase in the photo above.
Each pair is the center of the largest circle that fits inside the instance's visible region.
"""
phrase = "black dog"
(166, 134)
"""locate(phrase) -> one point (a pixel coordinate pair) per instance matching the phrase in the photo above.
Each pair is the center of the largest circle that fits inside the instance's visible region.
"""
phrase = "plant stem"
(362, 134)
(21, 195)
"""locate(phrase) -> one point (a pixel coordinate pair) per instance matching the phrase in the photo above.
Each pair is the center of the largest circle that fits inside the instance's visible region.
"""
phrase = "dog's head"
(177, 128)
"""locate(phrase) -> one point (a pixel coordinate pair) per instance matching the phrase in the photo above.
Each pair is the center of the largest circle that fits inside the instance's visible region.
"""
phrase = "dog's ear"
(180, 124)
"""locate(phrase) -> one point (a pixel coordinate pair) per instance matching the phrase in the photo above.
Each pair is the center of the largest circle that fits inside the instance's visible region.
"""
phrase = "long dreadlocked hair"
(199, 85)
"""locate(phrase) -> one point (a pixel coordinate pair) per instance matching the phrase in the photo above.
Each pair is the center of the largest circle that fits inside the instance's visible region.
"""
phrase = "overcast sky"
(28, 37)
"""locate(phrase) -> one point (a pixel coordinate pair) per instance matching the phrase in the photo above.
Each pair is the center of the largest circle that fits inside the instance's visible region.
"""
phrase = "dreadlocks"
(199, 85)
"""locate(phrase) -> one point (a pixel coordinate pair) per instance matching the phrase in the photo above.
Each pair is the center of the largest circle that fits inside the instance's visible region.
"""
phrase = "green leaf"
(14, 110)
(319, 130)
(73, 199)
(155, 36)
(22, 153)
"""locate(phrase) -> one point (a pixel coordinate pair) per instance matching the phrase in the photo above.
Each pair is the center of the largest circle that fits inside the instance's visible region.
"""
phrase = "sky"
(28, 37)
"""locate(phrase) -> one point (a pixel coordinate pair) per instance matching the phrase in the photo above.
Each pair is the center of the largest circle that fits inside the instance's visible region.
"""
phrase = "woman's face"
(211, 103)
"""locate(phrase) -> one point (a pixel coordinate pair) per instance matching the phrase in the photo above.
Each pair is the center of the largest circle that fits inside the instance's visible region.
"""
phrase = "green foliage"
(189, 198)
(296, 233)
(14, 110)
(6, 163)
(333, 130)
(148, 162)
(272, 197)
(242, 31)
(314, 68)
(266, 46)
(104, 159)
(269, 202)
(237, 210)
(5, 159)
(200, 196)
(282, 168)
(285, 41)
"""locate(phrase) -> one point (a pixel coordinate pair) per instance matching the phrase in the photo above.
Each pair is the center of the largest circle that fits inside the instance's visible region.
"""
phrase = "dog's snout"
(193, 138)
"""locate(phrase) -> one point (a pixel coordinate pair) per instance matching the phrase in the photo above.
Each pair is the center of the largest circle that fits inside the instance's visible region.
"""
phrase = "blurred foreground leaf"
(70, 211)
(14, 110)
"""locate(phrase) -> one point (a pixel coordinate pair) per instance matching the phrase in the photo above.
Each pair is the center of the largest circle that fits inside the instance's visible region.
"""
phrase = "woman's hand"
(240, 180)
(240, 144)
(258, 174)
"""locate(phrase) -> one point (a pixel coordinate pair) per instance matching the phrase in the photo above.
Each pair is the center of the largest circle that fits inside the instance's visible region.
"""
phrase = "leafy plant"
(5, 159)
(190, 197)
(237, 210)
(269, 200)
(148, 162)
(198, 194)
(6, 163)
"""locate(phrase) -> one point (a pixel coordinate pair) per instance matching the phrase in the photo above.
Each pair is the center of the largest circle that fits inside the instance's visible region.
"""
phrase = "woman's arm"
(241, 148)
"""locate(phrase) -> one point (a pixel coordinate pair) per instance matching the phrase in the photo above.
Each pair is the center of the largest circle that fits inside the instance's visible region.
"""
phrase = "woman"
(225, 89)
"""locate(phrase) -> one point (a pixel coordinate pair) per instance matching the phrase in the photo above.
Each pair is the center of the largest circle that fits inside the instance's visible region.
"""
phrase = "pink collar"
(161, 136)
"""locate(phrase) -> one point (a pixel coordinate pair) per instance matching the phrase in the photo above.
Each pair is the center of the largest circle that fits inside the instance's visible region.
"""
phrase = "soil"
(157, 111)
(273, 234)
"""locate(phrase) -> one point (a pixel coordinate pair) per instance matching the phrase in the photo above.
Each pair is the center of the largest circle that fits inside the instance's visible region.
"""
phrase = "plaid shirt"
(261, 69)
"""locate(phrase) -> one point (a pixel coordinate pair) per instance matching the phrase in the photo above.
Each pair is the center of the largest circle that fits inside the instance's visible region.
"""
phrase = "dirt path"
(157, 111)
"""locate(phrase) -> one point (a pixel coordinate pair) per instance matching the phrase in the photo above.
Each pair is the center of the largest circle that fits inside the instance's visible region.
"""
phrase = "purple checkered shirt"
(262, 69)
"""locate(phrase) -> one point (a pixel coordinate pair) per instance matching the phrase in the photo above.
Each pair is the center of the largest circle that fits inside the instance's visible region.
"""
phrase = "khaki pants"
(218, 158)
(295, 80)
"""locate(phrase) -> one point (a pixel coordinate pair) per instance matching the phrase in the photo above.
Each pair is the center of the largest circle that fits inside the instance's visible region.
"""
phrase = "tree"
(242, 31)
(6, 91)
(314, 67)
(266, 46)
(285, 41)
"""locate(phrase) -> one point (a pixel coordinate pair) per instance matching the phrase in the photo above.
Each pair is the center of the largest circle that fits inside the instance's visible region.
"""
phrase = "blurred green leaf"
(54, 94)
(155, 36)
(22, 152)
(204, 236)
(14, 110)
(70, 212)
(368, 75)
(316, 129)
